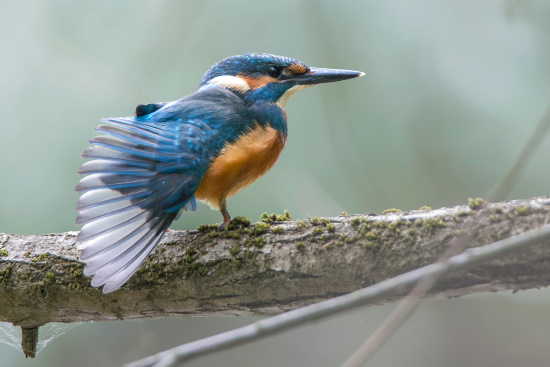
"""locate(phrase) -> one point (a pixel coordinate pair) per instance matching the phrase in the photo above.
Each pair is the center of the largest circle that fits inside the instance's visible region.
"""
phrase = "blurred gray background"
(452, 92)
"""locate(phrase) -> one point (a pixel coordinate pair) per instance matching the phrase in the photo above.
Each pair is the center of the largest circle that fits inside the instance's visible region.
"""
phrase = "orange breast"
(240, 164)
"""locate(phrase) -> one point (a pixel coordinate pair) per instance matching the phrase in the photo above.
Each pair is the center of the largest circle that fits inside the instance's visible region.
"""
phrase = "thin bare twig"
(408, 305)
(292, 319)
(531, 145)
(391, 323)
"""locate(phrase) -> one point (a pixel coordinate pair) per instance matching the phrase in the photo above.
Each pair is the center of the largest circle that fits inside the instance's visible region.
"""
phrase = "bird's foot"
(226, 217)
(224, 224)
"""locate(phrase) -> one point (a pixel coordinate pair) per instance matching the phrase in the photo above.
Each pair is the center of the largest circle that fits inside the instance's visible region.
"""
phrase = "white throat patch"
(284, 98)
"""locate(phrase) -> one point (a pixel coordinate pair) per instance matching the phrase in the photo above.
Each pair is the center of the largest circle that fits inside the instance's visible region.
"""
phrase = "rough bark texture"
(268, 268)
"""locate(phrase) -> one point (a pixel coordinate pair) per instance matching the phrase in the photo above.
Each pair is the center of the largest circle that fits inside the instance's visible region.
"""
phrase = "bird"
(144, 170)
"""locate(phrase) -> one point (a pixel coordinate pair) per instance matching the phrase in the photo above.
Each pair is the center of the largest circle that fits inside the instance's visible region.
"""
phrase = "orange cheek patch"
(297, 68)
(257, 82)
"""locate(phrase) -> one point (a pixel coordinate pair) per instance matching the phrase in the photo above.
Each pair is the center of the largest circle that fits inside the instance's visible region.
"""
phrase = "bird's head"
(271, 78)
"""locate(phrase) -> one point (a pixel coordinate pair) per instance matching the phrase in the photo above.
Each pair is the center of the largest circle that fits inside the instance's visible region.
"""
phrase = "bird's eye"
(273, 71)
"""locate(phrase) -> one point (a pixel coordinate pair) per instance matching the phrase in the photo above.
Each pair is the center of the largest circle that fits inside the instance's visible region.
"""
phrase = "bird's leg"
(226, 216)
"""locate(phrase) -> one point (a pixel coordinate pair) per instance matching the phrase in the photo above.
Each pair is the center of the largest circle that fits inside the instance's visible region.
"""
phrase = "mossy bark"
(268, 269)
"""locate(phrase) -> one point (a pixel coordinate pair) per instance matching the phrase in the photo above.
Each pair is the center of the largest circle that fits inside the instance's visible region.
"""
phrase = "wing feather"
(143, 173)
(141, 176)
(95, 198)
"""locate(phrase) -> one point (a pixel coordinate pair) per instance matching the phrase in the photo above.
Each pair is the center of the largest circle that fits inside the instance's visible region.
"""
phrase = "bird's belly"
(240, 164)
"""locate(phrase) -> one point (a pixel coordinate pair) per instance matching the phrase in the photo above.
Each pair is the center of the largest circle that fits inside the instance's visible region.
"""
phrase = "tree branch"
(295, 318)
(263, 269)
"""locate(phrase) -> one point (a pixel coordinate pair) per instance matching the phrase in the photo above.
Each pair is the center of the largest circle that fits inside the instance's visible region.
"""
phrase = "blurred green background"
(452, 92)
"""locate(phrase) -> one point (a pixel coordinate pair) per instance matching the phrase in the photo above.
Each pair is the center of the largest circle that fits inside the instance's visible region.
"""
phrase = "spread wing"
(142, 174)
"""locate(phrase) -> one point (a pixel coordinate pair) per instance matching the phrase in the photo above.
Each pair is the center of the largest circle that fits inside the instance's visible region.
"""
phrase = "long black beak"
(319, 75)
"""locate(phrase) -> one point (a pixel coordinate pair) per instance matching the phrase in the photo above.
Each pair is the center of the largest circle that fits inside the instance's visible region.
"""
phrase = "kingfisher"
(146, 169)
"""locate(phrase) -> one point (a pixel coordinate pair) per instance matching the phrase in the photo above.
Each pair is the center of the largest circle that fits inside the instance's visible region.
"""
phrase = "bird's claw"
(224, 224)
